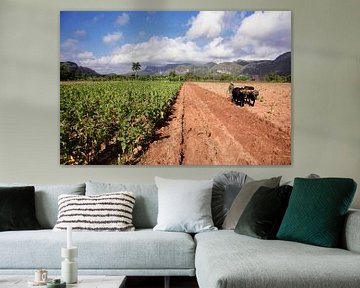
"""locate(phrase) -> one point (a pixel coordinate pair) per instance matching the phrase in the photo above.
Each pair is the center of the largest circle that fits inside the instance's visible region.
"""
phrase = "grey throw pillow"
(226, 187)
(242, 199)
(184, 205)
(310, 176)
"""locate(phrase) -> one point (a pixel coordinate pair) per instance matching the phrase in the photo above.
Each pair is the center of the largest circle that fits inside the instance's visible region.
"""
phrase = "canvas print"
(175, 87)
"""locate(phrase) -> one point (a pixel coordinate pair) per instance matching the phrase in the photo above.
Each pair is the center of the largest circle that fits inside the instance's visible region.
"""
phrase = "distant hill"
(71, 71)
(257, 69)
(280, 66)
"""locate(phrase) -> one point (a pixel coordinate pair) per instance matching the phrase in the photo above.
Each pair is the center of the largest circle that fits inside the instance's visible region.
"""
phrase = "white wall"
(326, 90)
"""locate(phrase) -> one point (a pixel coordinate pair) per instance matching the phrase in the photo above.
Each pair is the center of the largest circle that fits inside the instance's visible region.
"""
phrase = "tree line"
(67, 74)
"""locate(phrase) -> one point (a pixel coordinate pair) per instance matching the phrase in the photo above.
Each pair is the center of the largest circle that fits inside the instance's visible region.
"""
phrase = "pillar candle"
(69, 237)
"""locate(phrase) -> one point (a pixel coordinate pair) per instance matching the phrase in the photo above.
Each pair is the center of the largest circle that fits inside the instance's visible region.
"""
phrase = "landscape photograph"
(175, 87)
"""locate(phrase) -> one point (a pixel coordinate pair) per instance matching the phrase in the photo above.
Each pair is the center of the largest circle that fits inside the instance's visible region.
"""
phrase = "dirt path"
(205, 128)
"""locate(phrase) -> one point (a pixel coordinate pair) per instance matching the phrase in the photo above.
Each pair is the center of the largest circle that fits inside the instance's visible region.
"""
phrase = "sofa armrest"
(351, 234)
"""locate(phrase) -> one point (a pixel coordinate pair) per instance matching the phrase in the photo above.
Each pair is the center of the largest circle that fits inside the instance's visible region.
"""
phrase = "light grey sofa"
(143, 252)
(219, 259)
(225, 259)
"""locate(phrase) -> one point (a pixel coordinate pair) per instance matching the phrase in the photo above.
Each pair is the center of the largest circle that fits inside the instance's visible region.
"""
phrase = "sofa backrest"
(146, 203)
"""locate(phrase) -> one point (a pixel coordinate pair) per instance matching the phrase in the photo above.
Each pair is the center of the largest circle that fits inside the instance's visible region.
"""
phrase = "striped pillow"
(105, 212)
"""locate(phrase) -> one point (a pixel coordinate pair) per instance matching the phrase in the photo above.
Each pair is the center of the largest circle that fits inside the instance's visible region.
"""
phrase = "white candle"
(69, 239)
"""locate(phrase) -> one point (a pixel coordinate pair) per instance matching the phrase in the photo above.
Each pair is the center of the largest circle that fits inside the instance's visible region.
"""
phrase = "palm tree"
(136, 66)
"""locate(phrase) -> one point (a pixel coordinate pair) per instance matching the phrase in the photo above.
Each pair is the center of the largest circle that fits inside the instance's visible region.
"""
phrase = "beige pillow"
(243, 198)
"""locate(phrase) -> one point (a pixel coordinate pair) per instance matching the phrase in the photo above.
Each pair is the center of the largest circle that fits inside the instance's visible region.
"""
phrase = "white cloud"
(86, 55)
(159, 51)
(122, 19)
(206, 24)
(224, 36)
(70, 44)
(264, 34)
(112, 38)
(218, 49)
(80, 33)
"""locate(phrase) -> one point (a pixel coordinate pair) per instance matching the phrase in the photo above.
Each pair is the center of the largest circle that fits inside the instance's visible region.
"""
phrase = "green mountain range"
(257, 69)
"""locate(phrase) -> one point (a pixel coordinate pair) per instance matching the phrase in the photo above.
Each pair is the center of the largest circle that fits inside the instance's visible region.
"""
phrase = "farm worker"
(231, 87)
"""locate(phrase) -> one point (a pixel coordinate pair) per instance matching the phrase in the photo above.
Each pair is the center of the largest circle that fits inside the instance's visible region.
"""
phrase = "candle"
(69, 240)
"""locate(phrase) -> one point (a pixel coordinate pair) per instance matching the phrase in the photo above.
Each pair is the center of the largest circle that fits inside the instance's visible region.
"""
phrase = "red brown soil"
(206, 128)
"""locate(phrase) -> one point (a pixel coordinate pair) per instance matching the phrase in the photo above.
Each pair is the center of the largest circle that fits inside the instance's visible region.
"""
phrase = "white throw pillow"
(184, 205)
(105, 212)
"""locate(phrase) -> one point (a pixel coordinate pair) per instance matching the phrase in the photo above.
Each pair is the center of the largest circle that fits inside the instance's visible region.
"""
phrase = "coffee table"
(84, 281)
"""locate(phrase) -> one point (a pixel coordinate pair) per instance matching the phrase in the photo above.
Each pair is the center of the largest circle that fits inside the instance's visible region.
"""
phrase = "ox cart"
(242, 95)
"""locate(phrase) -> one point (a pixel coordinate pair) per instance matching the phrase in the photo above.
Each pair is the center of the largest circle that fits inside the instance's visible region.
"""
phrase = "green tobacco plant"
(94, 115)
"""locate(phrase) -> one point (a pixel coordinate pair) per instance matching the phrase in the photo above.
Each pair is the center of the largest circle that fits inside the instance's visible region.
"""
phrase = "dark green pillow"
(17, 208)
(264, 213)
(316, 211)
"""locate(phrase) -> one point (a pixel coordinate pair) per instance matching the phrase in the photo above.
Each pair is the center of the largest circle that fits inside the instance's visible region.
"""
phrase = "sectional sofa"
(218, 259)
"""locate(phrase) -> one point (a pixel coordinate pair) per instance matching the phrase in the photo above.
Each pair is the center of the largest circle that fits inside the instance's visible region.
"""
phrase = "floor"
(158, 282)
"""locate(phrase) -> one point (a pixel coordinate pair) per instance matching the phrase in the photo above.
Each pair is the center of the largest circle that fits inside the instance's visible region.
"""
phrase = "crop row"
(99, 117)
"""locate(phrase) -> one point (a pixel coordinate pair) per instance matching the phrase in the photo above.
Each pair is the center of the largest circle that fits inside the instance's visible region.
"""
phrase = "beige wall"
(326, 90)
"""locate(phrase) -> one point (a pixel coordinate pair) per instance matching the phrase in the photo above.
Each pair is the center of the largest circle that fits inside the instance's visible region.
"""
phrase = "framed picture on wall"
(175, 87)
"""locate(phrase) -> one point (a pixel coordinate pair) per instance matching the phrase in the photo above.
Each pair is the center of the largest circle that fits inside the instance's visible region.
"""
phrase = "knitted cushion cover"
(316, 211)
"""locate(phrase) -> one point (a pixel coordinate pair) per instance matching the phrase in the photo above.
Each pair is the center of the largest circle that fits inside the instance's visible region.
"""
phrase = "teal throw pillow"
(316, 211)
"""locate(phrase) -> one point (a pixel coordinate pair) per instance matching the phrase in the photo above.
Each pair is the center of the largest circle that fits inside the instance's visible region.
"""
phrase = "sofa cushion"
(146, 205)
(225, 189)
(225, 259)
(105, 212)
(46, 200)
(243, 198)
(137, 250)
(350, 239)
(17, 208)
(184, 205)
(263, 215)
(317, 209)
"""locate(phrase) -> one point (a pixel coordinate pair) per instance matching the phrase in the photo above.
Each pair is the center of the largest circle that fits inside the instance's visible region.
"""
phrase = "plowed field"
(206, 128)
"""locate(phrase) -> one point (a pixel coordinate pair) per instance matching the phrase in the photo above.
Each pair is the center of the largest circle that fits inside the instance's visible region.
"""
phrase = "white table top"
(84, 281)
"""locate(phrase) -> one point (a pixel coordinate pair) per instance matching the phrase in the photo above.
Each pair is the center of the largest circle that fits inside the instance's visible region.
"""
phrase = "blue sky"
(109, 41)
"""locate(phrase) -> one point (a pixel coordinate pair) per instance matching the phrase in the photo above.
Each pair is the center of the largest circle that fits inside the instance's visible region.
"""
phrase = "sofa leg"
(167, 282)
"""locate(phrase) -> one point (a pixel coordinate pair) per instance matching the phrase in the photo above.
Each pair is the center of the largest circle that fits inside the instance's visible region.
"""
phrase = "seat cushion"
(143, 249)
(225, 259)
